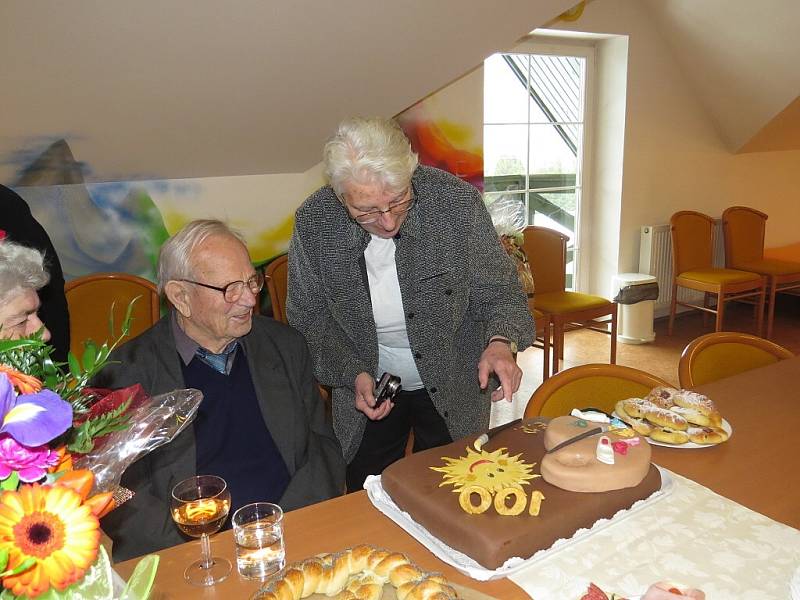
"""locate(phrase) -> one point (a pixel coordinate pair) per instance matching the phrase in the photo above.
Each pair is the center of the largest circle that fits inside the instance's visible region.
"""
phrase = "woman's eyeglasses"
(395, 209)
(234, 290)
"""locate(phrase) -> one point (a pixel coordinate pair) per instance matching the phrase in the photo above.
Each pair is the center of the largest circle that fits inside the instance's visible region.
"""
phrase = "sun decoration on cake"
(491, 470)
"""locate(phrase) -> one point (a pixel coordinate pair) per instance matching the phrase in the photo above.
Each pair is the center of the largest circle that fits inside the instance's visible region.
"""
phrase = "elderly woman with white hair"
(396, 268)
(22, 273)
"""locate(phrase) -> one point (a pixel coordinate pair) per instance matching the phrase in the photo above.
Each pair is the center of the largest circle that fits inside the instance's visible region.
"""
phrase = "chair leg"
(771, 314)
(614, 336)
(706, 304)
(546, 350)
(720, 309)
(558, 343)
(672, 307)
(761, 297)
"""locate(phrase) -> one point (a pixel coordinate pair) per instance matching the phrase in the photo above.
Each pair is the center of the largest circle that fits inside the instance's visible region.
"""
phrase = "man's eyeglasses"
(395, 209)
(234, 290)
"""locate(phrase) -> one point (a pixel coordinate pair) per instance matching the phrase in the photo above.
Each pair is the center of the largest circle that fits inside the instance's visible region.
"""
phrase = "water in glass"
(258, 533)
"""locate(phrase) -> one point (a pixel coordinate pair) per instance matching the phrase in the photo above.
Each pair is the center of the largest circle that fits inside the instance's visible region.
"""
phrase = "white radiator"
(655, 258)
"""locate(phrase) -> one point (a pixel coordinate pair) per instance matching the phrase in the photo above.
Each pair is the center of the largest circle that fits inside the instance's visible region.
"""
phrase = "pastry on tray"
(674, 417)
(358, 573)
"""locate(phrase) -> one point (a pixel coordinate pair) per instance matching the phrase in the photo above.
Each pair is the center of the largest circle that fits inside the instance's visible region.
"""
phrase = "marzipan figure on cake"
(483, 474)
(590, 457)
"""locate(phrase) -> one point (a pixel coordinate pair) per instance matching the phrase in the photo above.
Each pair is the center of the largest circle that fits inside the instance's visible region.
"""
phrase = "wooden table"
(758, 467)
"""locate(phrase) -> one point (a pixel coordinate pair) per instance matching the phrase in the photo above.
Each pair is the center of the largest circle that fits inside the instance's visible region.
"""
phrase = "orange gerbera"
(25, 384)
(53, 527)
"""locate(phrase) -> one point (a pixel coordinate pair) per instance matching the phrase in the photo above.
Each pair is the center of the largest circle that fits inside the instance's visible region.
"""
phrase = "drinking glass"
(258, 533)
(199, 507)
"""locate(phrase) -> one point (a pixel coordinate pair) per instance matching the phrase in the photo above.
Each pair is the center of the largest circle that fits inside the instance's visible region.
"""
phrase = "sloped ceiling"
(159, 89)
(742, 59)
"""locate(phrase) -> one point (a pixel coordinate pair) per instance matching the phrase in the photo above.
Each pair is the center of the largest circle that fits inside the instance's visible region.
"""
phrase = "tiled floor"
(659, 358)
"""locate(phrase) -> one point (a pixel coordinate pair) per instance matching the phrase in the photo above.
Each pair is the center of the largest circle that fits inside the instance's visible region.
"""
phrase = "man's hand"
(365, 398)
(498, 359)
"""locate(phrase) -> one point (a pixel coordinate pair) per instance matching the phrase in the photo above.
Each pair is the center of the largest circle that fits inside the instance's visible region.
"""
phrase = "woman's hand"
(365, 398)
(498, 359)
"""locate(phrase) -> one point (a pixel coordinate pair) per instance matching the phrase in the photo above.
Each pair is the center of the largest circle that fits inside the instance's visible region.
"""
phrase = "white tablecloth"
(694, 537)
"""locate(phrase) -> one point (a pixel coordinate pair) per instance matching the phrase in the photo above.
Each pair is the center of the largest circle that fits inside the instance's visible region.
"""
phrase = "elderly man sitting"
(261, 425)
(22, 273)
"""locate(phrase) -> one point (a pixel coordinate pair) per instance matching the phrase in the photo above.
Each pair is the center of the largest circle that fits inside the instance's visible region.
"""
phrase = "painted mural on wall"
(443, 144)
(446, 128)
(120, 226)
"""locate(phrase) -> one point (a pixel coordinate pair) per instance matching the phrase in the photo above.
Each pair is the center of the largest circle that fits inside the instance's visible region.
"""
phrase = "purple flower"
(30, 463)
(32, 419)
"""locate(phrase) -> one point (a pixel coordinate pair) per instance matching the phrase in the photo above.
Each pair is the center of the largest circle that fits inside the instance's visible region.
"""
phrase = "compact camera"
(386, 388)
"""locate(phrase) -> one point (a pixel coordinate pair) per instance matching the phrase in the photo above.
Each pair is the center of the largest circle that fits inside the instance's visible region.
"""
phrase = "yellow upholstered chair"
(91, 297)
(744, 249)
(692, 267)
(590, 386)
(547, 255)
(717, 355)
(276, 275)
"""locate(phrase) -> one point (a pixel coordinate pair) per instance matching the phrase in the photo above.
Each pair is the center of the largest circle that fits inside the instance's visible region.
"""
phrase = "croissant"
(357, 574)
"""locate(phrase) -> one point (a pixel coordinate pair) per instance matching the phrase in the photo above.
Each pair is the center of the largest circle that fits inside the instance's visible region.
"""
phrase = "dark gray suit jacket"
(293, 411)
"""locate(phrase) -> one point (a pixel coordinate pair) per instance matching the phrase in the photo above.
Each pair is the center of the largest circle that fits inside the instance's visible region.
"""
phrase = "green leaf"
(89, 356)
(74, 366)
(84, 435)
(3, 558)
(11, 482)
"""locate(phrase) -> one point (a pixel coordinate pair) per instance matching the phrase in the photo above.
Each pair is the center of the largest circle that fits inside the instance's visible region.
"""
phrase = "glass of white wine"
(199, 507)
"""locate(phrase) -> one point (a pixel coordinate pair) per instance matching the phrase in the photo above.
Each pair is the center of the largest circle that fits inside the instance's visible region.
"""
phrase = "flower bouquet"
(63, 449)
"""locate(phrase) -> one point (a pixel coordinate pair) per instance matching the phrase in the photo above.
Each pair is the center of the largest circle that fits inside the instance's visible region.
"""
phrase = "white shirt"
(394, 349)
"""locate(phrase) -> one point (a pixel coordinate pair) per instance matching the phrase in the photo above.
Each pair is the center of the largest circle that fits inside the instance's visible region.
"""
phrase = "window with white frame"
(534, 134)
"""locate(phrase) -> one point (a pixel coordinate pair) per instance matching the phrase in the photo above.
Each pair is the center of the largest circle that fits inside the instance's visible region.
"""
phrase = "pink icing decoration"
(620, 448)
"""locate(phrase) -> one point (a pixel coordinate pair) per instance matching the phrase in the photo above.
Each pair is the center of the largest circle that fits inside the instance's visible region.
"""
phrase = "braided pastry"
(665, 418)
(707, 435)
(669, 436)
(700, 403)
(357, 574)
(636, 407)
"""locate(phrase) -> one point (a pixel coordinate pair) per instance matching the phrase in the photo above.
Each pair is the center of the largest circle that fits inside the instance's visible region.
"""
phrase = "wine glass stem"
(205, 546)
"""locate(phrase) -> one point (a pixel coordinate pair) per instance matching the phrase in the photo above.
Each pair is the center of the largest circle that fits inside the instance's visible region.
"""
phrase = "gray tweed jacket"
(459, 289)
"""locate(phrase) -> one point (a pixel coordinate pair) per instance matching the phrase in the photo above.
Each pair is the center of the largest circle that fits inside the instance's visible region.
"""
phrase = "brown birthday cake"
(512, 498)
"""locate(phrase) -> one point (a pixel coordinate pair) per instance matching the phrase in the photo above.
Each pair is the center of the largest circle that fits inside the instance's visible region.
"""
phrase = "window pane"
(555, 209)
(554, 152)
(505, 96)
(505, 149)
(557, 88)
(504, 183)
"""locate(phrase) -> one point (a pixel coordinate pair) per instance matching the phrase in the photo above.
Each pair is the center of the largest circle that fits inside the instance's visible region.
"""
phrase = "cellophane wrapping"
(508, 218)
(153, 422)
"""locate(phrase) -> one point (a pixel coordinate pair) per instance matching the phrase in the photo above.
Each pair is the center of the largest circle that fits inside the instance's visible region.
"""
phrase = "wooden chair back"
(692, 241)
(90, 299)
(590, 386)
(547, 255)
(718, 355)
(276, 275)
(744, 235)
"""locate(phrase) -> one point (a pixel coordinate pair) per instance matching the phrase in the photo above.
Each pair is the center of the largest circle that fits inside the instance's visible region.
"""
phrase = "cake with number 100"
(526, 487)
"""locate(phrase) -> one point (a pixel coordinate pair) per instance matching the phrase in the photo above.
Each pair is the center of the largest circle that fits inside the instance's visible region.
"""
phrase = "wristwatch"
(512, 345)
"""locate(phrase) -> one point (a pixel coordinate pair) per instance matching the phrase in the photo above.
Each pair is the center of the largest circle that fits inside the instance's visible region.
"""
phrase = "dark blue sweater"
(233, 441)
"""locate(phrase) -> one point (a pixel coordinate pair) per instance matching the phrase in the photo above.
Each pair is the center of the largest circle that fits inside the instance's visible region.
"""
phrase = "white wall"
(673, 157)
